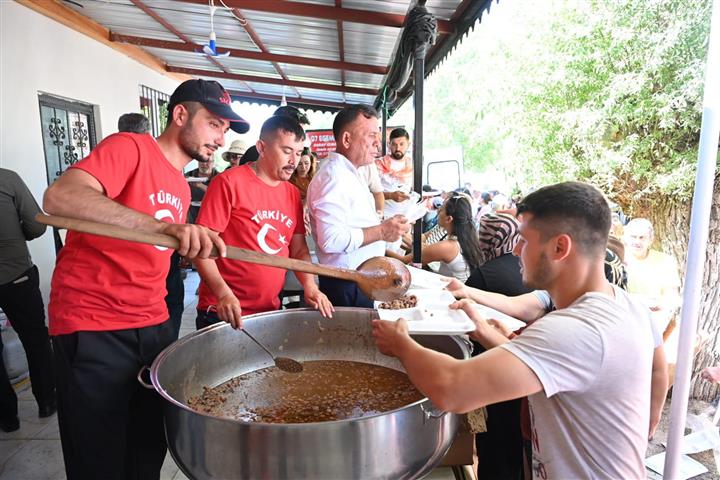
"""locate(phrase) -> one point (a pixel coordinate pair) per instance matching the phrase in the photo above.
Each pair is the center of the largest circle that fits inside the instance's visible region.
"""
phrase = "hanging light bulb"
(283, 101)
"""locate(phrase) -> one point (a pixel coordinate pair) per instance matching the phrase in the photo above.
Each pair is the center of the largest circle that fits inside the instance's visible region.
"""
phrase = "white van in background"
(443, 168)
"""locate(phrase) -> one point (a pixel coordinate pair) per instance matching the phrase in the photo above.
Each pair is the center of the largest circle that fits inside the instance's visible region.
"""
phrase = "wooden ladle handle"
(162, 240)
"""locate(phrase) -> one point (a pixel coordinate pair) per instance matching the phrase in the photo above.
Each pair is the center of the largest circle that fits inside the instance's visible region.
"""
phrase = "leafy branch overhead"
(610, 92)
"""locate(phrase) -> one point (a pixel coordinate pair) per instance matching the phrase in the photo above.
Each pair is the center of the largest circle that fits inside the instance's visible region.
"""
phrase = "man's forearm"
(521, 307)
(307, 280)
(429, 371)
(372, 234)
(86, 203)
(659, 385)
(379, 201)
(489, 337)
(208, 270)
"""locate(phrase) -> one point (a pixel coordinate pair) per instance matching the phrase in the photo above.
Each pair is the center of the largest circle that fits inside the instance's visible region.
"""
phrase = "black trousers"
(110, 426)
(23, 304)
(175, 298)
(205, 318)
(344, 293)
(500, 448)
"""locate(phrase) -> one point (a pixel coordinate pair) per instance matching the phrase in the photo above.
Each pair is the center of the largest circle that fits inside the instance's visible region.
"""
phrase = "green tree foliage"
(605, 91)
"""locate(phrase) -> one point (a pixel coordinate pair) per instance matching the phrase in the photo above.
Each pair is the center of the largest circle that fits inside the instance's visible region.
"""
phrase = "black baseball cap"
(213, 96)
(289, 111)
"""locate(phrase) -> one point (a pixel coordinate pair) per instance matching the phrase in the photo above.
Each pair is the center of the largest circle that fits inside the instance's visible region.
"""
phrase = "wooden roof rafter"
(274, 81)
(344, 14)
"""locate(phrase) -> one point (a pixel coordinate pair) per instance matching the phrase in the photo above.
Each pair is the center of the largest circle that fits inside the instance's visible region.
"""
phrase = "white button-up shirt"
(340, 206)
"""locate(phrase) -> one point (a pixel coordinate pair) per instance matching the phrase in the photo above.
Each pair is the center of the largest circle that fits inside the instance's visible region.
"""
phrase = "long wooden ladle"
(380, 278)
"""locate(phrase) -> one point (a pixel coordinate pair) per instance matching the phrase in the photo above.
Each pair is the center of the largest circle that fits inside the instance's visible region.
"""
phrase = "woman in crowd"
(301, 177)
(304, 172)
(459, 253)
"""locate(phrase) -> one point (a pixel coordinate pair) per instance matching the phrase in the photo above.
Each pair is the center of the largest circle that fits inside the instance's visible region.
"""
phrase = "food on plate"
(406, 301)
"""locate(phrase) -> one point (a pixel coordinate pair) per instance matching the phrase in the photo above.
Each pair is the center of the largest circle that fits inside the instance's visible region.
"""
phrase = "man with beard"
(653, 275)
(253, 206)
(107, 312)
(594, 358)
(396, 173)
(205, 171)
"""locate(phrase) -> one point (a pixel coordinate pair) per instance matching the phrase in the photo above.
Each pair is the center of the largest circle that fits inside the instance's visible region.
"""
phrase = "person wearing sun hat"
(107, 311)
(234, 153)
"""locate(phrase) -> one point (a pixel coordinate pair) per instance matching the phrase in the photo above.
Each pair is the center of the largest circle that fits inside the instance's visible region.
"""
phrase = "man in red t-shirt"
(107, 311)
(253, 206)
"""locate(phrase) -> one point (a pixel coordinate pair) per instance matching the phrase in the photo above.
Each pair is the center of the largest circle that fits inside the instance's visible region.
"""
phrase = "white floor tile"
(36, 460)
(8, 449)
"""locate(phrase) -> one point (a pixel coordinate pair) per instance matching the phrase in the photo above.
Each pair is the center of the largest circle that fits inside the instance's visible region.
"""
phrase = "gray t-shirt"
(594, 360)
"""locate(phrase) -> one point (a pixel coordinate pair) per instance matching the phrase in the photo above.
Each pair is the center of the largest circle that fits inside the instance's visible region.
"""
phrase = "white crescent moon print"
(262, 241)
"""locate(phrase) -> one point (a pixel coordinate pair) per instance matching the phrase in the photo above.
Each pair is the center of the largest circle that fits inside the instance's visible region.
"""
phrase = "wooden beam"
(343, 14)
(273, 81)
(249, 97)
(251, 54)
(55, 10)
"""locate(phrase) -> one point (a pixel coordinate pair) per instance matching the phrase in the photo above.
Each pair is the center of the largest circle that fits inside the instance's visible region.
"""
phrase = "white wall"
(40, 55)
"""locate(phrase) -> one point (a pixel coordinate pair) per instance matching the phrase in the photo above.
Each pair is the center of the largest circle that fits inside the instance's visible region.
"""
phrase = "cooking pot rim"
(188, 338)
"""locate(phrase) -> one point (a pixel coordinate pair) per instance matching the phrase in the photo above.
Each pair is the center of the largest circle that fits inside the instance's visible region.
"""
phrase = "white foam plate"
(415, 212)
(195, 179)
(432, 315)
(420, 278)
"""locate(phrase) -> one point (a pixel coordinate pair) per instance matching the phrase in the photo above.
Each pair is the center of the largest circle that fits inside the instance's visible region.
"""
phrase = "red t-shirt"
(250, 214)
(101, 283)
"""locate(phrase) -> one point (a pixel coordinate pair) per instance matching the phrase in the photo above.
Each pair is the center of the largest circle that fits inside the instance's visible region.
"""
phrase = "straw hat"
(237, 146)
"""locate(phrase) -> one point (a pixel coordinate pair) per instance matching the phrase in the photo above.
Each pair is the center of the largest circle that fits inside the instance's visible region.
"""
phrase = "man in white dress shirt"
(344, 222)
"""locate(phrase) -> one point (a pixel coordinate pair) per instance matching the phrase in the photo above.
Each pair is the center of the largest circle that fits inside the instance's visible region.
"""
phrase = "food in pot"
(325, 390)
(406, 301)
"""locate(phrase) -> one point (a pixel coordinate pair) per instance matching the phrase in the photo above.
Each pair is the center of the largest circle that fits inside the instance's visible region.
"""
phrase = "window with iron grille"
(68, 134)
(153, 104)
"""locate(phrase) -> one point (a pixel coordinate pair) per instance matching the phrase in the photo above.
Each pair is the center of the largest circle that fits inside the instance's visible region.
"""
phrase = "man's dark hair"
(281, 123)
(574, 208)
(348, 115)
(133, 123)
(294, 112)
(399, 132)
(190, 106)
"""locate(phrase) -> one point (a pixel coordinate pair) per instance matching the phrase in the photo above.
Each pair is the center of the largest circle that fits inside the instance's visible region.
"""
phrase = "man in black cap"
(252, 154)
(107, 312)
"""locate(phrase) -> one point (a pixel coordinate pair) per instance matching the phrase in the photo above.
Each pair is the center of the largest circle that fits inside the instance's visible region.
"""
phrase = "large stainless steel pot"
(404, 443)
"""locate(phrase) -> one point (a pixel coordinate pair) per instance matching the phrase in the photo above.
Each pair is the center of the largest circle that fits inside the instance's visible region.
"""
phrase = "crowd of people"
(587, 372)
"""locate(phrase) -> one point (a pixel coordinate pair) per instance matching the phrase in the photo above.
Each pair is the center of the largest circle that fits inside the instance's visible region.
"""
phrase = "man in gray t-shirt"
(594, 370)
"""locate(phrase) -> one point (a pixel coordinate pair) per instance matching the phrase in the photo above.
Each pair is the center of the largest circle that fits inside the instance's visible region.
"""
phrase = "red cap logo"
(225, 98)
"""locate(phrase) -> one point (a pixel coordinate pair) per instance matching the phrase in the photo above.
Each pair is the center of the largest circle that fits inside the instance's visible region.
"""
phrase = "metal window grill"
(153, 104)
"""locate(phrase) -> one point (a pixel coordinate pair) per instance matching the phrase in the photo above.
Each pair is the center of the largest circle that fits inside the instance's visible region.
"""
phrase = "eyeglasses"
(236, 155)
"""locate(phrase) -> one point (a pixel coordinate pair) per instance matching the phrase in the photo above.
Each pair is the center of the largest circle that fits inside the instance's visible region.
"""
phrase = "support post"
(419, 74)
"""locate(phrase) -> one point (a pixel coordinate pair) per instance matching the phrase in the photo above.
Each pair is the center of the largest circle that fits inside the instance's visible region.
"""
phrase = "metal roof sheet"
(312, 50)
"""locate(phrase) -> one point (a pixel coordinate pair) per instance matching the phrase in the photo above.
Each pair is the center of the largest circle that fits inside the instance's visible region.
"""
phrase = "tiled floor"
(34, 452)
